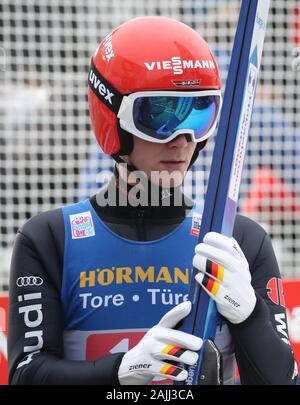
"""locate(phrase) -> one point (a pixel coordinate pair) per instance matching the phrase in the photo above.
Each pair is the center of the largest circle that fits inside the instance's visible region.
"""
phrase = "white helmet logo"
(178, 65)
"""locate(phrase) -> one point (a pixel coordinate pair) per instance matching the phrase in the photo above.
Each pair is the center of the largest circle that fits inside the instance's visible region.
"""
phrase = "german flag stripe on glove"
(170, 370)
(172, 350)
(214, 269)
(211, 285)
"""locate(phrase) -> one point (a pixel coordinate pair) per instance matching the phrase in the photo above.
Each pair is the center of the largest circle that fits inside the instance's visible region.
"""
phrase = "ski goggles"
(160, 116)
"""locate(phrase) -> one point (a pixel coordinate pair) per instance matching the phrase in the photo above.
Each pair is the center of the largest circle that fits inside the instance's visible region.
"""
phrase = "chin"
(168, 178)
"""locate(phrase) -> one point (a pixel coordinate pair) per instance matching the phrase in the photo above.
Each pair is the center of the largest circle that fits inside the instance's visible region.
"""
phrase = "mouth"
(173, 163)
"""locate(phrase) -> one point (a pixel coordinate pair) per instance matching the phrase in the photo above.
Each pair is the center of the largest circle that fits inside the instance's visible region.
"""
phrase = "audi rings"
(27, 281)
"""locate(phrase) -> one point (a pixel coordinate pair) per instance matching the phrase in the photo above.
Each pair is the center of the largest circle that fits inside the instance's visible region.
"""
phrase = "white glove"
(225, 276)
(145, 361)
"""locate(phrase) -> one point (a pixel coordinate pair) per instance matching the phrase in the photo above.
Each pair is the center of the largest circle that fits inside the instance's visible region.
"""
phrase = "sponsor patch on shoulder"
(82, 225)
(195, 229)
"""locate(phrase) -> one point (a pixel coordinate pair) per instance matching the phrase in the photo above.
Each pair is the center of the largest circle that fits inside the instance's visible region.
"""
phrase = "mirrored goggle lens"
(159, 117)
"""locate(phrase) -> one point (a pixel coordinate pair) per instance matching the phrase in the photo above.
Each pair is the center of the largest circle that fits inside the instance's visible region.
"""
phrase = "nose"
(179, 142)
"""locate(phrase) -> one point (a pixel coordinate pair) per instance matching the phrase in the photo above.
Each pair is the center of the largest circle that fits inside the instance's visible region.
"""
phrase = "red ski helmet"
(139, 58)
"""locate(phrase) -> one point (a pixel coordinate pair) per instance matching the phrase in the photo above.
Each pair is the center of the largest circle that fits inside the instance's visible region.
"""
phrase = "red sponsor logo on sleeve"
(275, 291)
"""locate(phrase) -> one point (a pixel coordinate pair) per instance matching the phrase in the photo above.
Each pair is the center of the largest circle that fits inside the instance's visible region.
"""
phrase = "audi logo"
(29, 281)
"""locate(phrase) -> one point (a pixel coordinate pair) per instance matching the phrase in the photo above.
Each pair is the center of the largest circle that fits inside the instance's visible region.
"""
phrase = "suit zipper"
(141, 229)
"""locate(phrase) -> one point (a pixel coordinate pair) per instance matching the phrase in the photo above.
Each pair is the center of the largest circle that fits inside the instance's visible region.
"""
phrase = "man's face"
(164, 164)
